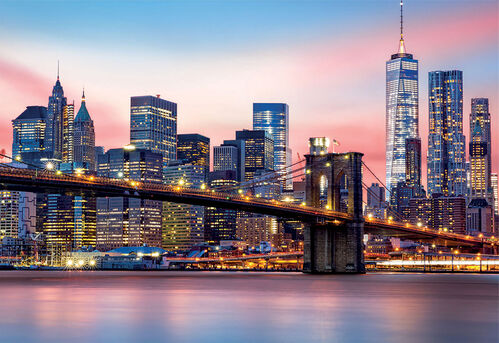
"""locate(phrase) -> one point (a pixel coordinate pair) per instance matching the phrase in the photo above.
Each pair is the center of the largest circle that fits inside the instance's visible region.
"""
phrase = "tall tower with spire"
(55, 120)
(84, 137)
(402, 109)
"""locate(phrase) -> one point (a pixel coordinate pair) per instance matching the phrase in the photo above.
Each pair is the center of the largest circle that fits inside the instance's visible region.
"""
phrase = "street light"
(49, 166)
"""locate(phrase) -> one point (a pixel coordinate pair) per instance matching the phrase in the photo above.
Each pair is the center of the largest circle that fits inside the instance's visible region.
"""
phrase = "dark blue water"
(73, 307)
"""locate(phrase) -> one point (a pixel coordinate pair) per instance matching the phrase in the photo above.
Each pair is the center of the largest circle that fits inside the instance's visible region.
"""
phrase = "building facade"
(446, 141)
(183, 225)
(54, 136)
(402, 111)
(125, 221)
(84, 138)
(153, 125)
(28, 135)
(194, 149)
(480, 150)
(439, 212)
(258, 152)
(274, 119)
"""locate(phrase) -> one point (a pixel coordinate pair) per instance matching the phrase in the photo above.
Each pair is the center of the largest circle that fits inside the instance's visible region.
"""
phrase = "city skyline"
(333, 101)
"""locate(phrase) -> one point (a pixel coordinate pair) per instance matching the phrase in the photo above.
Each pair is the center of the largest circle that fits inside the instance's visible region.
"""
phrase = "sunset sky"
(326, 59)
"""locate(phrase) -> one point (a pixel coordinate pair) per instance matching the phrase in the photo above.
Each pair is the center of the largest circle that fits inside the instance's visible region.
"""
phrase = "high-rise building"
(128, 221)
(54, 137)
(153, 125)
(230, 153)
(17, 213)
(258, 152)
(84, 138)
(495, 190)
(220, 223)
(376, 204)
(225, 157)
(256, 229)
(67, 133)
(274, 118)
(194, 149)
(28, 137)
(480, 150)
(413, 161)
(183, 225)
(480, 217)
(439, 212)
(402, 109)
(446, 141)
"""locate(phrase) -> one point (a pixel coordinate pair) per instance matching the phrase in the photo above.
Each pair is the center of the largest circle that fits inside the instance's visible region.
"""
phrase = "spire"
(57, 70)
(402, 45)
(83, 114)
(83, 95)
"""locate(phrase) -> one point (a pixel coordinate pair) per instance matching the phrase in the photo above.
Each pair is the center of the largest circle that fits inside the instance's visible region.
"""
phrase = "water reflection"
(237, 307)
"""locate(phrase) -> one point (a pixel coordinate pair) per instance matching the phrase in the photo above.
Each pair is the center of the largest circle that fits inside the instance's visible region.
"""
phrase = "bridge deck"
(50, 182)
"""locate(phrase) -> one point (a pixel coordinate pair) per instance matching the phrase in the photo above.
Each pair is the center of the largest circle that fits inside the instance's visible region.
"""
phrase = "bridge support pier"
(334, 249)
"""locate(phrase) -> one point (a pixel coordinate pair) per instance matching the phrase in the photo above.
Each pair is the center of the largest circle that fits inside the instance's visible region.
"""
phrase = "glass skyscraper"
(153, 125)
(258, 152)
(446, 141)
(480, 150)
(402, 111)
(274, 118)
(28, 135)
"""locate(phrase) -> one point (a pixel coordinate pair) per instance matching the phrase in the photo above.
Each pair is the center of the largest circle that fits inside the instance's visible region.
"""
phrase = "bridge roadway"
(44, 181)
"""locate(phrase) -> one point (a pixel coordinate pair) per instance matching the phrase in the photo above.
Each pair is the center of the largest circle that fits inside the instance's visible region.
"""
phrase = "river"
(92, 306)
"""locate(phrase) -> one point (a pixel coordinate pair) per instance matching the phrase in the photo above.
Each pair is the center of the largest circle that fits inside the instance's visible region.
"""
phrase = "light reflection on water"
(38, 306)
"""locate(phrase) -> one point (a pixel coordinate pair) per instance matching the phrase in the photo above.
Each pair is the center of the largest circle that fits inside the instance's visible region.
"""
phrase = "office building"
(125, 221)
(413, 161)
(480, 218)
(230, 156)
(54, 136)
(495, 191)
(274, 119)
(84, 138)
(153, 125)
(28, 135)
(220, 223)
(67, 133)
(258, 152)
(446, 141)
(402, 110)
(439, 212)
(194, 149)
(183, 225)
(376, 203)
(17, 214)
(256, 229)
(480, 150)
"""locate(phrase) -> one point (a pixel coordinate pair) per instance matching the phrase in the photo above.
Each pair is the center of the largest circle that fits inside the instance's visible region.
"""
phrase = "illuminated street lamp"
(49, 166)
(120, 174)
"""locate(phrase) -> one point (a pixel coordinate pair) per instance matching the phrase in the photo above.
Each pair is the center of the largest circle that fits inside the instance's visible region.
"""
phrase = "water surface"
(51, 306)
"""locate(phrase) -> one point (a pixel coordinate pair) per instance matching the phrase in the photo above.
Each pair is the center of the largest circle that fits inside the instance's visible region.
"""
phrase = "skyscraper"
(125, 221)
(402, 109)
(183, 225)
(55, 120)
(446, 141)
(274, 118)
(258, 152)
(480, 150)
(194, 149)
(67, 133)
(84, 138)
(495, 189)
(153, 125)
(413, 161)
(225, 157)
(28, 135)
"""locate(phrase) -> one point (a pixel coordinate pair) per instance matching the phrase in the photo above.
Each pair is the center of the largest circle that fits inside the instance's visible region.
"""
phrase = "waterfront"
(91, 306)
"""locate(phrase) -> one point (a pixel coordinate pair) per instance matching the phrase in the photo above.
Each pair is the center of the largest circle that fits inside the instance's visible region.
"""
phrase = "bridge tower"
(334, 247)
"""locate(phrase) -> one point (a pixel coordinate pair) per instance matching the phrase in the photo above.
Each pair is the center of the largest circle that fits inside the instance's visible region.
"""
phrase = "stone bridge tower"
(335, 247)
